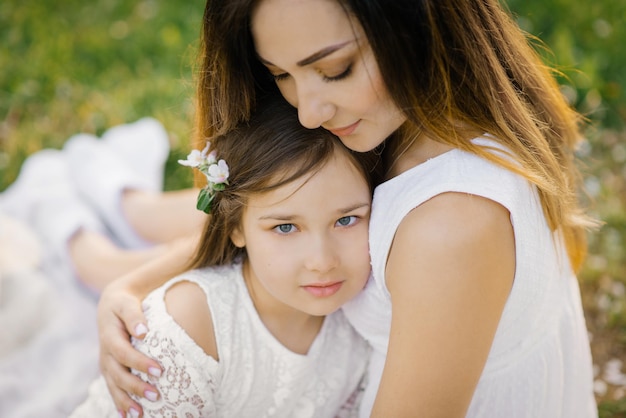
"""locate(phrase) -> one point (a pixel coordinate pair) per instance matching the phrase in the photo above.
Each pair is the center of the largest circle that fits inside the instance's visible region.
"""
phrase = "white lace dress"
(256, 376)
(540, 364)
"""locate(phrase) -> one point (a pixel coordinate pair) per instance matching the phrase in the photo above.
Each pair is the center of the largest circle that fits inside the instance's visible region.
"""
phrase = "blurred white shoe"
(144, 146)
(101, 176)
(42, 174)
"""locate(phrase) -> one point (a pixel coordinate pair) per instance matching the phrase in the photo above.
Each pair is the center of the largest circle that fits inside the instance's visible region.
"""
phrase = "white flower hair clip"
(215, 171)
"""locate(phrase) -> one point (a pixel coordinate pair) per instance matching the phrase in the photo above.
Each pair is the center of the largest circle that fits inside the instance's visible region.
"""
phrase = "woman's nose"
(313, 108)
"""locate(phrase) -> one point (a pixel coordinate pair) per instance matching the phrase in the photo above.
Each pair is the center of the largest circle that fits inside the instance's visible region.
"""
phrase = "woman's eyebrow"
(313, 57)
(321, 54)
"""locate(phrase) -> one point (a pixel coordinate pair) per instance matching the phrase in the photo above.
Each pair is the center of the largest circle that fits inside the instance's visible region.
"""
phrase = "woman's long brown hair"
(457, 68)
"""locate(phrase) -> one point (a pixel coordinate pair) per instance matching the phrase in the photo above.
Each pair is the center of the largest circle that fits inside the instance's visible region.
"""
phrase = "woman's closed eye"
(343, 74)
(280, 77)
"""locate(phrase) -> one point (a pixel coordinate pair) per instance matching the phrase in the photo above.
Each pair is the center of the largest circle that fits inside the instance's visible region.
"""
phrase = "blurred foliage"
(75, 66)
(71, 66)
(587, 42)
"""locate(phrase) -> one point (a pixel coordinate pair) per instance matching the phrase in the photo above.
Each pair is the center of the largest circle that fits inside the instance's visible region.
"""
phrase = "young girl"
(476, 234)
(245, 334)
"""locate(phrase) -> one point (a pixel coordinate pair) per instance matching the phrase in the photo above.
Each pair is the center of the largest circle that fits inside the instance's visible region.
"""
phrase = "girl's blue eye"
(284, 228)
(346, 220)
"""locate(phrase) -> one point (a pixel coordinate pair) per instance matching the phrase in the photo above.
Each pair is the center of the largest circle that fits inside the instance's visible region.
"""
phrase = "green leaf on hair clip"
(205, 198)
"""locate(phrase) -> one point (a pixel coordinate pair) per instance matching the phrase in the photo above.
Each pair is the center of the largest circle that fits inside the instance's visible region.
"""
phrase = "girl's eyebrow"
(287, 218)
(313, 57)
(355, 207)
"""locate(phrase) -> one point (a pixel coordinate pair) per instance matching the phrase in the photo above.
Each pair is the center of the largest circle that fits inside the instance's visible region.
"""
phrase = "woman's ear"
(237, 238)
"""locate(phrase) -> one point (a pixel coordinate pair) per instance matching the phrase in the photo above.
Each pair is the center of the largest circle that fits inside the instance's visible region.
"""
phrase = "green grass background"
(69, 66)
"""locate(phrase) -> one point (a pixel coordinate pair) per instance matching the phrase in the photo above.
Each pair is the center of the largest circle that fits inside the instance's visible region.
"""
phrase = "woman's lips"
(346, 130)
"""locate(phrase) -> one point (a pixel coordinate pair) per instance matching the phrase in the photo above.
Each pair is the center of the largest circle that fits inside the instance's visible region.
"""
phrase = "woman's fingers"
(123, 402)
(119, 313)
(125, 307)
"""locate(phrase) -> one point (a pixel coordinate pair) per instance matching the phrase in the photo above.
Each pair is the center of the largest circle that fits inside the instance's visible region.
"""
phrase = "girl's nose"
(321, 255)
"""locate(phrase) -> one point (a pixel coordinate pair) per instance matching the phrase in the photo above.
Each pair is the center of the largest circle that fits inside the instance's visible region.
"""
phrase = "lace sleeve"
(187, 385)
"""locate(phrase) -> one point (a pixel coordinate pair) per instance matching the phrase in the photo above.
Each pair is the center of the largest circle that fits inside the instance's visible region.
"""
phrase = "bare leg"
(163, 217)
(98, 261)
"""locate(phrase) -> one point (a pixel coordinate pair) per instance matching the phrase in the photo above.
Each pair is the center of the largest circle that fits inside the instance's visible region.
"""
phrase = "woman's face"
(324, 66)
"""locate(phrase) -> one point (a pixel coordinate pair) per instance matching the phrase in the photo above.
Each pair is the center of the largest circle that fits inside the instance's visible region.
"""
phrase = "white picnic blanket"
(48, 333)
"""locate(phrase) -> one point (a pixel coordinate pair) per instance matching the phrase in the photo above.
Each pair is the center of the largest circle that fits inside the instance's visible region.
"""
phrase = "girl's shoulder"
(186, 303)
(186, 300)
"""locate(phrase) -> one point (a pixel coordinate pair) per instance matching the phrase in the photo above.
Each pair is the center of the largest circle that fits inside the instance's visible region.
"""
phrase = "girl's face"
(306, 241)
(324, 66)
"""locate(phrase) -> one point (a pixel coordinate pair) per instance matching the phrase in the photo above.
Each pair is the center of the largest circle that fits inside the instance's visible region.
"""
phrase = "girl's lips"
(325, 290)
(345, 131)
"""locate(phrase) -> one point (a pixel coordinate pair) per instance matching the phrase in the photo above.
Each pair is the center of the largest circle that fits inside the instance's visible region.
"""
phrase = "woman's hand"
(120, 316)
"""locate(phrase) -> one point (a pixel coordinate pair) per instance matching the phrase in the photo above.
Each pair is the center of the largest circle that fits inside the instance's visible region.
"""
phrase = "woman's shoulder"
(454, 172)
(449, 201)
(468, 201)
(457, 167)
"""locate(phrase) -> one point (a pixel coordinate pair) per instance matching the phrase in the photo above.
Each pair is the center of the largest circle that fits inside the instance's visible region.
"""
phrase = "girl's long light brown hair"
(457, 68)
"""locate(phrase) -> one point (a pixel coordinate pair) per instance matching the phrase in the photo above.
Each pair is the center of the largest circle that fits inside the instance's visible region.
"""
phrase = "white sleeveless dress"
(256, 376)
(540, 364)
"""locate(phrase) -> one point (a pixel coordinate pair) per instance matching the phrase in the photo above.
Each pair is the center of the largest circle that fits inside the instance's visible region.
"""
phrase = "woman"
(473, 309)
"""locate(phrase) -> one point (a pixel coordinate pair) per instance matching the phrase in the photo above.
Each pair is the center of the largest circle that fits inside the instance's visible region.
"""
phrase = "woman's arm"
(449, 273)
(120, 315)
